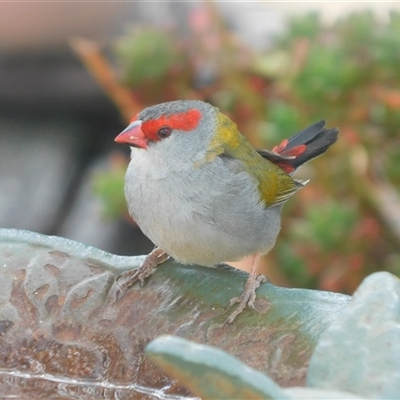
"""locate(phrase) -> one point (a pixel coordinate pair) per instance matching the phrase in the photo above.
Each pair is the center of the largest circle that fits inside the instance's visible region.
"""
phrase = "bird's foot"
(128, 278)
(248, 297)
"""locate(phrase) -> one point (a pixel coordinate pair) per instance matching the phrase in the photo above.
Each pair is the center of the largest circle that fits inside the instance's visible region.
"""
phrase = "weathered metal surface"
(212, 374)
(360, 352)
(62, 331)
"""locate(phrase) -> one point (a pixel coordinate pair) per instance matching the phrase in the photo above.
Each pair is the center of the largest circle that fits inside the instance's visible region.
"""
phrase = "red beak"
(133, 135)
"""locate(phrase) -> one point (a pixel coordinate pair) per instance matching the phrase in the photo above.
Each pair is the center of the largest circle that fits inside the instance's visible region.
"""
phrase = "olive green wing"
(275, 185)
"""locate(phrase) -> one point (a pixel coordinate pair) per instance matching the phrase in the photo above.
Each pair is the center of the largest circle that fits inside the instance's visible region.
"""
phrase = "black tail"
(305, 145)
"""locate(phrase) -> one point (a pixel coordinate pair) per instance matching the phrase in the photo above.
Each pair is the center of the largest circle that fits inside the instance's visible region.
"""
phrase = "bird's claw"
(128, 278)
(247, 299)
(261, 278)
(123, 282)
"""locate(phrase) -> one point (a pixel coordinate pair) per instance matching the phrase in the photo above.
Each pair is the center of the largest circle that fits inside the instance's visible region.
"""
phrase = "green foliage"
(347, 74)
(312, 229)
(109, 187)
(286, 119)
(148, 54)
(326, 77)
(308, 26)
(391, 165)
(293, 265)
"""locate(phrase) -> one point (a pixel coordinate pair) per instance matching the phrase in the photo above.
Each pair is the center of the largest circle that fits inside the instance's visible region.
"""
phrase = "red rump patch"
(281, 147)
(293, 152)
(185, 121)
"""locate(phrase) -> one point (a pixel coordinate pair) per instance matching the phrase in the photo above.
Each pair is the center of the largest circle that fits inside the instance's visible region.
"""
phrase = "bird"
(203, 194)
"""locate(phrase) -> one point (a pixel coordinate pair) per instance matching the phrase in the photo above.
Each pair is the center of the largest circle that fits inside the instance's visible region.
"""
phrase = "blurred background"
(73, 74)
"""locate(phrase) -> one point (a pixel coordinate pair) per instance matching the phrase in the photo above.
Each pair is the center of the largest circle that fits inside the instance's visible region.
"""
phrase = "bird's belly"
(203, 223)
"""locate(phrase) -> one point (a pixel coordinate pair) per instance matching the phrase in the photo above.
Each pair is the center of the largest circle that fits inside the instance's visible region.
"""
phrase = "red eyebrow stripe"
(185, 121)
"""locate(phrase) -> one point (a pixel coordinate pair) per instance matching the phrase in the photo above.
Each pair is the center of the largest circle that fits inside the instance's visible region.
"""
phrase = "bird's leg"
(128, 278)
(248, 297)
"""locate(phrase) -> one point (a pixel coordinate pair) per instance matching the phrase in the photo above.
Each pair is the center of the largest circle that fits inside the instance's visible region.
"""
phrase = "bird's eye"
(164, 132)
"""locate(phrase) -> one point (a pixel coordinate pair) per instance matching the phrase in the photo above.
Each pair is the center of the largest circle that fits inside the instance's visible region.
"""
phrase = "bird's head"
(177, 126)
